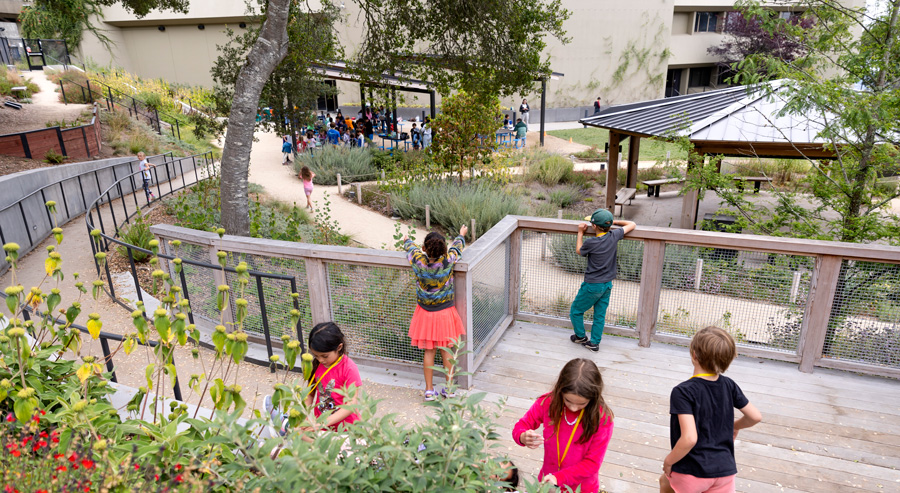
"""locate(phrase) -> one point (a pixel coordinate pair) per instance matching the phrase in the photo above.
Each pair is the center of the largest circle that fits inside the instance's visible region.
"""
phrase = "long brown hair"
(582, 378)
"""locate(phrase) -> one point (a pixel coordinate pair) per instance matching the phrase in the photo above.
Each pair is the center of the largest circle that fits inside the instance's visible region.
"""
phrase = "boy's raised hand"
(582, 227)
(463, 230)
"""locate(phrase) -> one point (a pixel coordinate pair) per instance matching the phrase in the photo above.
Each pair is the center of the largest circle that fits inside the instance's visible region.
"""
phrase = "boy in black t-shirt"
(702, 427)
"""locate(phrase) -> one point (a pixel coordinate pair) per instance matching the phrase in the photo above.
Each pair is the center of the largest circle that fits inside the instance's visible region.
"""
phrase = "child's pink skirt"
(430, 330)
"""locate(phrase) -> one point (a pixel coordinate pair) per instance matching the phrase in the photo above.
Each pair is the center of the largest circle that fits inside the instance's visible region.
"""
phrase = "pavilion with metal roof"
(727, 122)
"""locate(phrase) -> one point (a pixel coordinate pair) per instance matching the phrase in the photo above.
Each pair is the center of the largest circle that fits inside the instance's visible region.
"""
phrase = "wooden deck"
(830, 431)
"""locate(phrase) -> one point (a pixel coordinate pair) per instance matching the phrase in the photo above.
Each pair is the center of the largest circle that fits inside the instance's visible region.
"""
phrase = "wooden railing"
(489, 288)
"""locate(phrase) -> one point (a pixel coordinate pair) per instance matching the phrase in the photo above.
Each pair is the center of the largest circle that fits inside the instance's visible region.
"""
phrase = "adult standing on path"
(524, 109)
(286, 150)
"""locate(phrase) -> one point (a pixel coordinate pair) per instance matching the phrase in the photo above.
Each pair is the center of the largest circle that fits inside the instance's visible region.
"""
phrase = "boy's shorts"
(685, 483)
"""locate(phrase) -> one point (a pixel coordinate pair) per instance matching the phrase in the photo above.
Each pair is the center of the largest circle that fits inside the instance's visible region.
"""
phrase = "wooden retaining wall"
(76, 142)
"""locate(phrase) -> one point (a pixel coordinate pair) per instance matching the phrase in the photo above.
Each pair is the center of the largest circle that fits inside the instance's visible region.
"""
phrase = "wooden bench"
(623, 195)
(653, 186)
(21, 89)
(757, 181)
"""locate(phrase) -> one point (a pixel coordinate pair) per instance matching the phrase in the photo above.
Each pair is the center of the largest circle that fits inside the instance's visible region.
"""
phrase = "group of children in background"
(573, 421)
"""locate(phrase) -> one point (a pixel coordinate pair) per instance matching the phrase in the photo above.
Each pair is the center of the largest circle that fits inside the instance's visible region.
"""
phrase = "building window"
(724, 74)
(706, 22)
(699, 76)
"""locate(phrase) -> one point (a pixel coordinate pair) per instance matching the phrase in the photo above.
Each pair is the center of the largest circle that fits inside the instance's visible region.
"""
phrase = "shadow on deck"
(828, 431)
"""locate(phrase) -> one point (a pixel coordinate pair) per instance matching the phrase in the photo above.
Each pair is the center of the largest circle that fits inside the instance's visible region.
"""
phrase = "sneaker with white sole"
(430, 395)
(593, 347)
(578, 340)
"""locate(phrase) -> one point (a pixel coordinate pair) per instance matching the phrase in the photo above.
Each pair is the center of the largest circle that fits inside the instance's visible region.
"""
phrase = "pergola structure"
(725, 122)
(397, 82)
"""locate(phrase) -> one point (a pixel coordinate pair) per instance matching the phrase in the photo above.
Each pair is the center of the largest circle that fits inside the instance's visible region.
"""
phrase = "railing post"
(62, 90)
(515, 271)
(650, 288)
(427, 216)
(319, 294)
(822, 288)
(340, 192)
(358, 193)
(463, 286)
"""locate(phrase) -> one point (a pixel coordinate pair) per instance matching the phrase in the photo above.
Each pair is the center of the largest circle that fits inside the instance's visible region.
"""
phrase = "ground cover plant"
(352, 163)
(651, 149)
(11, 78)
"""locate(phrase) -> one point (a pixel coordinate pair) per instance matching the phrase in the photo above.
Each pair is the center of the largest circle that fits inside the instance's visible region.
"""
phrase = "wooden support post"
(634, 151)
(319, 298)
(515, 271)
(691, 199)
(795, 287)
(463, 287)
(340, 191)
(427, 216)
(612, 171)
(472, 231)
(650, 288)
(559, 214)
(382, 175)
(543, 246)
(358, 193)
(698, 274)
(814, 327)
(389, 209)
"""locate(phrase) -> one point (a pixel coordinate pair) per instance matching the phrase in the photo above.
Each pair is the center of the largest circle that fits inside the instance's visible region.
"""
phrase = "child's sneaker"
(430, 395)
(445, 393)
(270, 410)
(578, 340)
(593, 347)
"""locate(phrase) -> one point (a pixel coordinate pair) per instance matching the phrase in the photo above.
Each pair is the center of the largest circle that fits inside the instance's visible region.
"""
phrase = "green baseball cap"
(601, 217)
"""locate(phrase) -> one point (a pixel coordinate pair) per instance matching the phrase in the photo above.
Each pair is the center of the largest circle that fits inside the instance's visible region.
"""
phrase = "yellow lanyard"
(575, 427)
(323, 375)
(704, 375)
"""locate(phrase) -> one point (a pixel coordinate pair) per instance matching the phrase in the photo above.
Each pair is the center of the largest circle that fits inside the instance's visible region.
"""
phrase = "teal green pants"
(594, 295)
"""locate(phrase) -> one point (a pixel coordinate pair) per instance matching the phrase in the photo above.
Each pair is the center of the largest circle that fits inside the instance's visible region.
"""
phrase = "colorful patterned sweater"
(434, 280)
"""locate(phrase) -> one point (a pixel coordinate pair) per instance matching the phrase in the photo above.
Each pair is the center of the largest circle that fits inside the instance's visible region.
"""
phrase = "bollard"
(339, 184)
(559, 214)
(359, 193)
(698, 274)
(795, 287)
(472, 231)
(427, 217)
(382, 175)
(389, 208)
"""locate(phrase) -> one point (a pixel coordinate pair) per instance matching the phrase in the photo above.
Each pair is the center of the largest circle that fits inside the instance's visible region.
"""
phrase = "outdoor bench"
(653, 186)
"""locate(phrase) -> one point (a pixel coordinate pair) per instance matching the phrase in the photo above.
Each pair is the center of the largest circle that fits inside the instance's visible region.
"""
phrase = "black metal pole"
(104, 345)
(543, 107)
(62, 90)
(431, 96)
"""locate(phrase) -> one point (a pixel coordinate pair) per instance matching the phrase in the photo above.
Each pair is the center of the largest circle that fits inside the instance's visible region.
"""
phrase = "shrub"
(10, 79)
(53, 157)
(353, 163)
(565, 196)
(151, 99)
(592, 154)
(549, 171)
(562, 246)
(139, 235)
(453, 205)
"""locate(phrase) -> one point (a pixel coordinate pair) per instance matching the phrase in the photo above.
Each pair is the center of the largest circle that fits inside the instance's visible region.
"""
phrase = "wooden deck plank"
(829, 431)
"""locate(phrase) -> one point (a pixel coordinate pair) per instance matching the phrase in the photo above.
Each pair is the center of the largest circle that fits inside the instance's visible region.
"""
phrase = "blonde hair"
(141, 155)
(714, 349)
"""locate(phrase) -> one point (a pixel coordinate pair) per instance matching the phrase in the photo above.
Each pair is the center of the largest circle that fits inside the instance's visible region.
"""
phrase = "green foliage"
(53, 157)
(10, 79)
(137, 234)
(549, 171)
(465, 117)
(353, 163)
(151, 99)
(591, 154)
(651, 149)
(453, 205)
(565, 196)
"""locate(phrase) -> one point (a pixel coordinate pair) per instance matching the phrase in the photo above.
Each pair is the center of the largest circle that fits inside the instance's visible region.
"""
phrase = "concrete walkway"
(370, 228)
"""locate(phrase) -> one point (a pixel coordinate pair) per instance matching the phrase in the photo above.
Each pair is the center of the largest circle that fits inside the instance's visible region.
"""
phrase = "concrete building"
(622, 52)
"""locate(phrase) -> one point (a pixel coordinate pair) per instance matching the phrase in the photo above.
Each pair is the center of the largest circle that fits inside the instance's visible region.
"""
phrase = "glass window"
(700, 76)
(706, 22)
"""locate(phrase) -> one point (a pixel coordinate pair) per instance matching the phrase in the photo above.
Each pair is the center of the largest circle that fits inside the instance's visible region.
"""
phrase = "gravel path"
(45, 107)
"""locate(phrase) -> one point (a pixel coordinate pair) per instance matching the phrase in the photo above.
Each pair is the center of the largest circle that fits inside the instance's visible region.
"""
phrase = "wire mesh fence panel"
(490, 294)
(201, 281)
(552, 273)
(373, 306)
(865, 318)
(758, 299)
(276, 294)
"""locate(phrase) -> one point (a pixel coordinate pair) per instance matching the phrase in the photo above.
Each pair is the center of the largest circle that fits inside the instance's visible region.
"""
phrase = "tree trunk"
(267, 52)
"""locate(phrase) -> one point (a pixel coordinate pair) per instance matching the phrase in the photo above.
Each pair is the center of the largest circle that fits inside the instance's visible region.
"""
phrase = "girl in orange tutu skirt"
(435, 322)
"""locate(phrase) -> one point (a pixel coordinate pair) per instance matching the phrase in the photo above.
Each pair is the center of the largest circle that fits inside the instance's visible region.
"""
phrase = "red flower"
(73, 458)
(179, 479)
(177, 467)
(10, 419)
(43, 412)
(42, 443)
(58, 456)
(61, 469)
(43, 434)
(156, 477)
(136, 467)
(16, 453)
(36, 418)
(87, 463)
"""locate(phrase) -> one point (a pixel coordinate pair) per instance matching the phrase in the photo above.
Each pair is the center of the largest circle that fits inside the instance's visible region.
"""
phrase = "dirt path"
(45, 108)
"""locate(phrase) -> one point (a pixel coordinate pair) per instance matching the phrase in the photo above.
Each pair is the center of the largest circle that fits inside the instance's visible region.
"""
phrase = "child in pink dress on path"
(307, 176)
(577, 425)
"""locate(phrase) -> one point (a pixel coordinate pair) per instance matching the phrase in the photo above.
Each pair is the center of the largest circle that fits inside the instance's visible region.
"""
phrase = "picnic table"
(653, 186)
(392, 139)
(505, 136)
(757, 181)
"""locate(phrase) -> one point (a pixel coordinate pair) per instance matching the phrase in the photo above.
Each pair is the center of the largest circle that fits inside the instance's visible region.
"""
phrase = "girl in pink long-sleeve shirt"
(577, 427)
